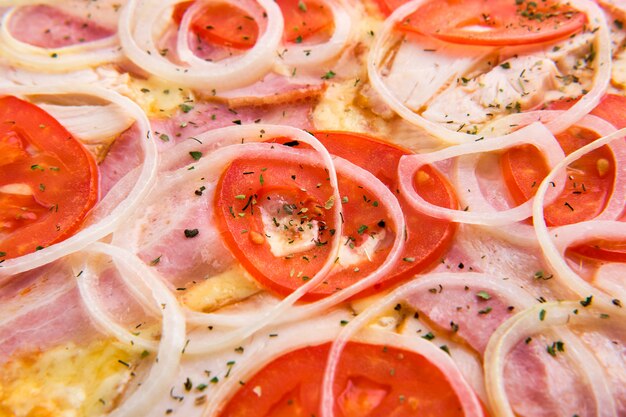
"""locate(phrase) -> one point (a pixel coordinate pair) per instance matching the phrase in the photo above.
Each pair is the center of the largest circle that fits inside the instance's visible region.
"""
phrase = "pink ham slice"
(40, 309)
(208, 116)
(541, 385)
(48, 27)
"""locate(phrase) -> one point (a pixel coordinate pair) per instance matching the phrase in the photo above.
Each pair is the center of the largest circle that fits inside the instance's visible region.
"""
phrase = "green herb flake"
(186, 108)
(330, 74)
(196, 155)
(483, 295)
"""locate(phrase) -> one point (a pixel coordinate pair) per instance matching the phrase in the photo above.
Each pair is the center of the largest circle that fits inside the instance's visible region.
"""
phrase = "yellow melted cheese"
(67, 381)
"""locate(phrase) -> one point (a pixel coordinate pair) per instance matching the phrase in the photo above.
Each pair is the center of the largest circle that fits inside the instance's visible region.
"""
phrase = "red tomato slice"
(221, 24)
(265, 202)
(427, 238)
(48, 180)
(304, 18)
(590, 178)
(371, 381)
(493, 22)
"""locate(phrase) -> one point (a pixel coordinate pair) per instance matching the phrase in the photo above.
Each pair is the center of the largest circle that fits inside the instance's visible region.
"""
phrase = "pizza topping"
(505, 81)
(574, 360)
(64, 41)
(502, 22)
(49, 182)
(369, 380)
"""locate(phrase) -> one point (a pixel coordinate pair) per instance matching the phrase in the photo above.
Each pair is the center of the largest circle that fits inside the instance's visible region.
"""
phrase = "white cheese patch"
(288, 234)
(350, 255)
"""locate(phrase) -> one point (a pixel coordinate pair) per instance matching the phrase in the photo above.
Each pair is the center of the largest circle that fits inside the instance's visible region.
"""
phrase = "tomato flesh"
(48, 180)
(589, 182)
(493, 22)
(221, 24)
(428, 238)
(370, 381)
(277, 220)
(303, 19)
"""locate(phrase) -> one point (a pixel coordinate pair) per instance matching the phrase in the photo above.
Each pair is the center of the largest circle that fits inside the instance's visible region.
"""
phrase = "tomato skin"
(427, 238)
(501, 22)
(59, 175)
(371, 380)
(221, 24)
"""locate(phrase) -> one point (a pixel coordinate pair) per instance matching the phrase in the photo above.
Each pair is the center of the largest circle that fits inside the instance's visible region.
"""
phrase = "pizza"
(312, 208)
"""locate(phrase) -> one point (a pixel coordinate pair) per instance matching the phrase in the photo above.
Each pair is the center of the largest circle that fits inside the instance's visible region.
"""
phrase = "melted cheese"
(157, 97)
(67, 381)
(220, 290)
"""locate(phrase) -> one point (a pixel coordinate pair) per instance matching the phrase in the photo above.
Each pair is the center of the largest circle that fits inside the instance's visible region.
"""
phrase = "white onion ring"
(551, 253)
(526, 323)
(535, 134)
(66, 58)
(172, 340)
(139, 47)
(113, 218)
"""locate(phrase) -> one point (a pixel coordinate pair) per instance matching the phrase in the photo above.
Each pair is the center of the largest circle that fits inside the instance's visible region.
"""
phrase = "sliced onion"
(467, 182)
(551, 253)
(157, 382)
(109, 216)
(63, 59)
(211, 166)
(532, 321)
(90, 123)
(535, 134)
(596, 20)
(137, 27)
(87, 283)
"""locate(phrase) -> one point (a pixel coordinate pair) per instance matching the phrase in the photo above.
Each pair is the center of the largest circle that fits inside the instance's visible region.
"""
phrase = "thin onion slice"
(137, 28)
(551, 252)
(62, 59)
(535, 320)
(535, 134)
(467, 183)
(469, 400)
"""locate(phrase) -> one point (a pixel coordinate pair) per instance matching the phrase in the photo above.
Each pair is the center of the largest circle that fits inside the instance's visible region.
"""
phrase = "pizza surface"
(312, 208)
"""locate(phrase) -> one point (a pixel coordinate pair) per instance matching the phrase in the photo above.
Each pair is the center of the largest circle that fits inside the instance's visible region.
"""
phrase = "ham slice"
(49, 27)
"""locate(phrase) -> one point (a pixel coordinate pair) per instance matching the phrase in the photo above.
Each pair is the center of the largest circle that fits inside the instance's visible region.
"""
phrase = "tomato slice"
(428, 238)
(304, 19)
(48, 180)
(590, 178)
(275, 215)
(493, 22)
(221, 24)
(371, 381)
